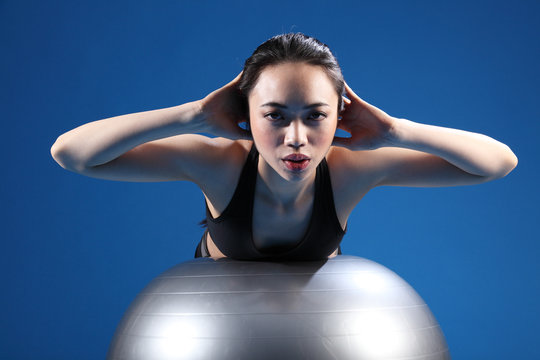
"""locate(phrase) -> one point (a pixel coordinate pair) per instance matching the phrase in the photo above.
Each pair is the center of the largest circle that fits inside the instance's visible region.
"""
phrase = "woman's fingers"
(237, 78)
(233, 84)
(351, 94)
(349, 91)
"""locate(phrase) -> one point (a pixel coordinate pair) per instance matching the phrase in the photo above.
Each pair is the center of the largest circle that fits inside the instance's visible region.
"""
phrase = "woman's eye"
(273, 116)
(317, 116)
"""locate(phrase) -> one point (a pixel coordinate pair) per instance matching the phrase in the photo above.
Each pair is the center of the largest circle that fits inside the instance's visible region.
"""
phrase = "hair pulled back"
(291, 47)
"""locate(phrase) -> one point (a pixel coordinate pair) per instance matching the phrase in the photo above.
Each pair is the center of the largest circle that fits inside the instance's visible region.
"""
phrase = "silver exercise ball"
(346, 307)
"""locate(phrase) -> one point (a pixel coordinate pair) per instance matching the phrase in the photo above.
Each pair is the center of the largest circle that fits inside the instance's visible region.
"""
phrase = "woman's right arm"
(157, 145)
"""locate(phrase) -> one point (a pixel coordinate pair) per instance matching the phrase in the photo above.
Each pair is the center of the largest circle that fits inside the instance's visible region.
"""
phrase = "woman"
(284, 188)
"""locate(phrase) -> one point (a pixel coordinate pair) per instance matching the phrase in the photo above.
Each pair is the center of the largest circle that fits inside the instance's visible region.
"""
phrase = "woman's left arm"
(405, 153)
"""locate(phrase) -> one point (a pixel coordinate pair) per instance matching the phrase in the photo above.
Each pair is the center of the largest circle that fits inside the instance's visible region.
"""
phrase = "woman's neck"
(281, 192)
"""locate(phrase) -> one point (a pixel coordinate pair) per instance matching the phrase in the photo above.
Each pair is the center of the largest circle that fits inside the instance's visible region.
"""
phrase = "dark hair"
(291, 47)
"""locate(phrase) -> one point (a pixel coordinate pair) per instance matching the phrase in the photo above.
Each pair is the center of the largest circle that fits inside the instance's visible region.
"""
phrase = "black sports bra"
(232, 230)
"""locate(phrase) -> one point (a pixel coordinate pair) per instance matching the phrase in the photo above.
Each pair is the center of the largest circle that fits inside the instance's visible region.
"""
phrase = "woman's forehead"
(293, 82)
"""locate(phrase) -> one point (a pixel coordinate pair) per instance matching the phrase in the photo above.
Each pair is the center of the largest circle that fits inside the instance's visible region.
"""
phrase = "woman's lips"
(296, 162)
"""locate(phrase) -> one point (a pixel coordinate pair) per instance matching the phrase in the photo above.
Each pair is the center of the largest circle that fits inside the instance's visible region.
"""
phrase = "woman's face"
(293, 111)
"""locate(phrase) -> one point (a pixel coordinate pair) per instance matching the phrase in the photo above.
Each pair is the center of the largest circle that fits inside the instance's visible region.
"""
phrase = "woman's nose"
(296, 135)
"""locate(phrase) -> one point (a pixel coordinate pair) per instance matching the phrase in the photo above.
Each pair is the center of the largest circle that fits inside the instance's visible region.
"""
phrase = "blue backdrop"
(76, 251)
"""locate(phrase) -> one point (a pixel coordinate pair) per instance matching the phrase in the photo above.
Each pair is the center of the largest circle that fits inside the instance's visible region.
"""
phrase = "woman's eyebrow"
(282, 106)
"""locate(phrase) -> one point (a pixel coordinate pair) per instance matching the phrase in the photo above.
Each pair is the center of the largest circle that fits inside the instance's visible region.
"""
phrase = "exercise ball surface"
(345, 307)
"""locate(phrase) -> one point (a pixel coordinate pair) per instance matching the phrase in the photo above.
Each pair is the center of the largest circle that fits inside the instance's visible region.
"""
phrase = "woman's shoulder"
(215, 152)
(217, 158)
(351, 176)
(230, 152)
(345, 163)
(219, 178)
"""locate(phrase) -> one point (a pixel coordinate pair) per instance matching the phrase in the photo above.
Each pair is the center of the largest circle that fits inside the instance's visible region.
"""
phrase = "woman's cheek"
(264, 137)
(327, 135)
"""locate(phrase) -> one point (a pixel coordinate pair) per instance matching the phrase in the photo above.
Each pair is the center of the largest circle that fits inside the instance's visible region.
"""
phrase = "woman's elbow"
(62, 154)
(510, 161)
(507, 163)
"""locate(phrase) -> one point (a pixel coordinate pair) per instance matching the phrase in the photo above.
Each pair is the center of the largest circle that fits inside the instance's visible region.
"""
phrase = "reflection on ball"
(342, 308)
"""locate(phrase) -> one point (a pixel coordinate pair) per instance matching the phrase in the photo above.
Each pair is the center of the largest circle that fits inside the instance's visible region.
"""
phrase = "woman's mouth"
(296, 162)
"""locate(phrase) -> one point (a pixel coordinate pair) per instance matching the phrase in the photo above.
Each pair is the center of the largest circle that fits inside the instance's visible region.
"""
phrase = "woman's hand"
(370, 127)
(223, 110)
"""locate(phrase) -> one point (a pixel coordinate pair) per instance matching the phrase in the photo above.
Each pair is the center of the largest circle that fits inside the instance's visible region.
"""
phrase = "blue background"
(76, 251)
